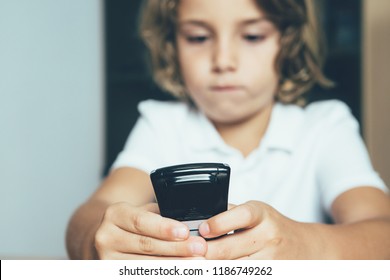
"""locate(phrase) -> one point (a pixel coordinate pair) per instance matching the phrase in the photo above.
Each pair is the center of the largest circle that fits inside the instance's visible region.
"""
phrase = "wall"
(51, 120)
(376, 73)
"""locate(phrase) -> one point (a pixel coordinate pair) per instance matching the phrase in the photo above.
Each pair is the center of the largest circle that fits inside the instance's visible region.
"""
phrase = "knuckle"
(254, 205)
(111, 211)
(222, 253)
(215, 226)
(276, 241)
(247, 212)
(137, 222)
(179, 249)
(146, 244)
(101, 239)
(163, 229)
(276, 235)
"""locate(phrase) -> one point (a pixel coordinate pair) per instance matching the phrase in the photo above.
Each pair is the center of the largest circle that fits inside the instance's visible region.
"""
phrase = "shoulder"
(154, 107)
(313, 124)
(291, 124)
(329, 107)
(327, 114)
(317, 118)
(160, 112)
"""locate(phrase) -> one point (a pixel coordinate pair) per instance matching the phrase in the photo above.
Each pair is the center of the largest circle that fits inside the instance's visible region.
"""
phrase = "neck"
(246, 134)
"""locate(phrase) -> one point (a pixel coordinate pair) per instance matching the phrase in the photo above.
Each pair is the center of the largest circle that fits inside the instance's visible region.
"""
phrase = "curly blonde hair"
(299, 61)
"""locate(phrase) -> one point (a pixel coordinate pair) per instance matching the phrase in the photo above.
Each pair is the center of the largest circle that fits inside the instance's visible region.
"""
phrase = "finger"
(125, 242)
(142, 222)
(231, 206)
(122, 256)
(152, 207)
(233, 246)
(243, 216)
(193, 246)
(143, 257)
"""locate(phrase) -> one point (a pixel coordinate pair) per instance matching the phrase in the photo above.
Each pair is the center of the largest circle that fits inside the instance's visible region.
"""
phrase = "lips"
(223, 88)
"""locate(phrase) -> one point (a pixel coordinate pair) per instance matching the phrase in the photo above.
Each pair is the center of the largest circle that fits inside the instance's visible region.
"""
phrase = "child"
(239, 69)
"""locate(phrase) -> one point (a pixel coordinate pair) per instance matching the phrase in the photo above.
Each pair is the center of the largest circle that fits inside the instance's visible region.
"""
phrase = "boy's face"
(227, 51)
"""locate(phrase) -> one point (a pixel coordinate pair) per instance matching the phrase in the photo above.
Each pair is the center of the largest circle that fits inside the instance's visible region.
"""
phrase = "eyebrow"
(203, 23)
(254, 20)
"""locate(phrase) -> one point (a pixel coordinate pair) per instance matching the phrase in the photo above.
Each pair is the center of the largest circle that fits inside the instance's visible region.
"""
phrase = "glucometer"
(191, 193)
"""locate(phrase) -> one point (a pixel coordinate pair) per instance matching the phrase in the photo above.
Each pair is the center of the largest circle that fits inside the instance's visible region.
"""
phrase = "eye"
(253, 38)
(197, 39)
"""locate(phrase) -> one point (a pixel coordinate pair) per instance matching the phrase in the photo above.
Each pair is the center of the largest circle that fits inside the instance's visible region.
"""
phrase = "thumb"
(152, 207)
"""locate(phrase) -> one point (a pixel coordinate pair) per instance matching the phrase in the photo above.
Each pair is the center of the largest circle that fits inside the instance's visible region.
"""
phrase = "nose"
(224, 57)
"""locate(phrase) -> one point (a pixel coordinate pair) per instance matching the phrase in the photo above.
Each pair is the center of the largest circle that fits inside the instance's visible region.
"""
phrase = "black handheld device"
(192, 192)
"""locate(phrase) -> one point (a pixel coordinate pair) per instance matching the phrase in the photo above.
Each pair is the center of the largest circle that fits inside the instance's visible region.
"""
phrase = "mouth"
(226, 88)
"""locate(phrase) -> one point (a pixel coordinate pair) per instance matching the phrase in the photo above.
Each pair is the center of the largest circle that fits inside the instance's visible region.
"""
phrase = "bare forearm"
(368, 239)
(80, 236)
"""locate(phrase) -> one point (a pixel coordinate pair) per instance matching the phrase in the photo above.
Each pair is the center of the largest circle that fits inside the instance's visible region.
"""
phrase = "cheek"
(260, 66)
(193, 70)
(263, 57)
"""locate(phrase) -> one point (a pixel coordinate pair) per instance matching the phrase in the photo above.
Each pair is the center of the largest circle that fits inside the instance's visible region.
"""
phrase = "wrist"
(325, 242)
(89, 249)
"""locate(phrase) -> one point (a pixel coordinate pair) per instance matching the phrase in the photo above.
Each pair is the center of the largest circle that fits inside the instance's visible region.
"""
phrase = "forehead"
(219, 10)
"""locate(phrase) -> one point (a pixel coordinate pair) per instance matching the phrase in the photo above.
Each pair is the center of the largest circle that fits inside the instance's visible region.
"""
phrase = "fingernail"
(180, 232)
(204, 229)
(197, 249)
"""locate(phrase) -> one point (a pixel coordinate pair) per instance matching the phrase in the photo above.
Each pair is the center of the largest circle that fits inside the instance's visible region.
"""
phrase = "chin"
(227, 118)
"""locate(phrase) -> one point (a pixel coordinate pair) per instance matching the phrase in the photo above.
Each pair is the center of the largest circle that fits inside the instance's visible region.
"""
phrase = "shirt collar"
(203, 135)
(283, 129)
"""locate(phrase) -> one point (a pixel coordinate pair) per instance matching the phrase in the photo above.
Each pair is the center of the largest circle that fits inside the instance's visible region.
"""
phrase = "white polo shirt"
(307, 157)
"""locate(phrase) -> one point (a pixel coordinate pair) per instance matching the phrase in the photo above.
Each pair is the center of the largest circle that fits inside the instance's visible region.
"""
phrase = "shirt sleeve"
(141, 148)
(344, 162)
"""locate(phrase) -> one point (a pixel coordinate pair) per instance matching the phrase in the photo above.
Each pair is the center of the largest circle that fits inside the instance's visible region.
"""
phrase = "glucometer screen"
(192, 191)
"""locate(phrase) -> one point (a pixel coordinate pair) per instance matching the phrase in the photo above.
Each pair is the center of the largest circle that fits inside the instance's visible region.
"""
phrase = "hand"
(129, 232)
(260, 232)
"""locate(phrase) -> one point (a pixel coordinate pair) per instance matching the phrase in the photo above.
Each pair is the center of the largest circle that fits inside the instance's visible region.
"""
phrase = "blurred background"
(72, 73)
